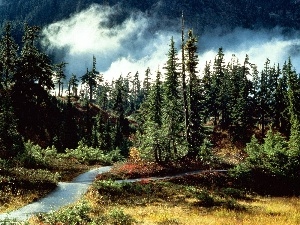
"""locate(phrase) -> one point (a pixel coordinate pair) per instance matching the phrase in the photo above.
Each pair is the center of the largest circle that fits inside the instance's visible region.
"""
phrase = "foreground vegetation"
(36, 172)
(207, 198)
(169, 126)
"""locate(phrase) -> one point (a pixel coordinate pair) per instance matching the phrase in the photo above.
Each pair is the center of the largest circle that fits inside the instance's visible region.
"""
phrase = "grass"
(261, 211)
(22, 186)
(209, 198)
(37, 171)
(170, 204)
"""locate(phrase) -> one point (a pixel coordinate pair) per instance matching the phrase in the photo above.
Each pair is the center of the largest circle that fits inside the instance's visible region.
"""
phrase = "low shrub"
(36, 157)
(268, 167)
(77, 214)
(206, 199)
(233, 193)
(232, 204)
(118, 217)
(90, 155)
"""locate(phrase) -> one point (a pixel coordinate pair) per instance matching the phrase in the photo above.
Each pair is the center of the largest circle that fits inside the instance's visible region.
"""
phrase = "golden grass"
(17, 201)
(265, 211)
(255, 210)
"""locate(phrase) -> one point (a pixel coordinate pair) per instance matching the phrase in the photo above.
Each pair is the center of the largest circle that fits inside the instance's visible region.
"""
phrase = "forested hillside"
(179, 111)
(200, 15)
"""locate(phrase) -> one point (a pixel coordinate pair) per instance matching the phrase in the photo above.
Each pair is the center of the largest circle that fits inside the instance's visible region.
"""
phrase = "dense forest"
(166, 118)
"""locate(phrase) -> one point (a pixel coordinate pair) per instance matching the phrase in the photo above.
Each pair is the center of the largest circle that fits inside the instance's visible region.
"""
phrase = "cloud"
(126, 42)
(119, 46)
(257, 44)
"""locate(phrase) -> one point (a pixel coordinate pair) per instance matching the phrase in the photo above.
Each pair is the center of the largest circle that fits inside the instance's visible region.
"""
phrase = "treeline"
(166, 118)
(234, 97)
(30, 112)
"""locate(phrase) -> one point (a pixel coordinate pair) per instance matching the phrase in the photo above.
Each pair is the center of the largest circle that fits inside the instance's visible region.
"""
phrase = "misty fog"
(135, 44)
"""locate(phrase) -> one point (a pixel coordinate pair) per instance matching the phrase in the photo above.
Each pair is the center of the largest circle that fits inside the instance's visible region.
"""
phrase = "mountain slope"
(200, 14)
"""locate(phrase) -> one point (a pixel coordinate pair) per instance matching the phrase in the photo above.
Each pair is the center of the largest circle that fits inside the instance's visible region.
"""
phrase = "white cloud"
(134, 43)
(125, 47)
(258, 45)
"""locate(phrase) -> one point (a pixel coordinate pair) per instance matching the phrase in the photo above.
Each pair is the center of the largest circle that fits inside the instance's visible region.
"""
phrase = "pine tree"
(136, 92)
(73, 84)
(90, 78)
(294, 108)
(217, 81)
(122, 125)
(172, 108)
(147, 83)
(240, 102)
(282, 110)
(152, 111)
(8, 57)
(34, 67)
(32, 83)
(209, 100)
(195, 128)
(11, 142)
(183, 84)
(60, 77)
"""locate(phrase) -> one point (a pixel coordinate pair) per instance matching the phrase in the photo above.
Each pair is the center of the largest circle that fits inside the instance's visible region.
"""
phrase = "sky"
(135, 44)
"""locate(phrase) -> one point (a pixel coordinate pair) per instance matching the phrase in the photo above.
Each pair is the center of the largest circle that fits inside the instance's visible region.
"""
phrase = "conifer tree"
(282, 110)
(206, 83)
(8, 57)
(294, 108)
(32, 83)
(11, 142)
(60, 77)
(73, 83)
(152, 109)
(122, 125)
(172, 107)
(217, 82)
(90, 78)
(183, 84)
(195, 119)
(147, 83)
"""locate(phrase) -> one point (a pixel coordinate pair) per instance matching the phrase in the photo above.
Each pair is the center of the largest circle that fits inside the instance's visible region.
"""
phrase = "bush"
(205, 199)
(268, 166)
(33, 179)
(109, 187)
(36, 157)
(118, 217)
(90, 155)
(233, 193)
(77, 214)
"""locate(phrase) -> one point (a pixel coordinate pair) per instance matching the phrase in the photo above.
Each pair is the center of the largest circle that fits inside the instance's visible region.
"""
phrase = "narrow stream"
(63, 195)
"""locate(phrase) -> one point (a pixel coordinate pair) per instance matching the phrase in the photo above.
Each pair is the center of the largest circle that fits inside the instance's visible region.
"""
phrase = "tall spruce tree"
(152, 110)
(60, 76)
(282, 109)
(32, 83)
(183, 80)
(11, 142)
(206, 83)
(172, 105)
(8, 57)
(195, 119)
(90, 78)
(294, 109)
(217, 82)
